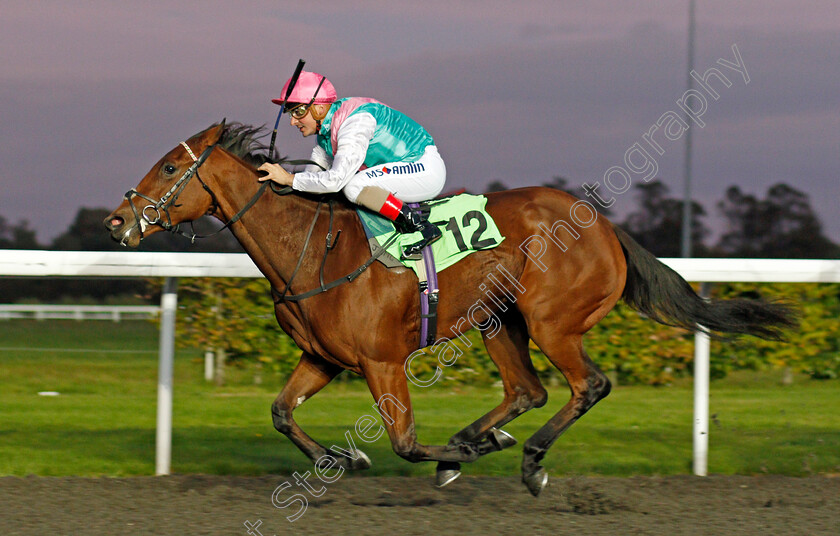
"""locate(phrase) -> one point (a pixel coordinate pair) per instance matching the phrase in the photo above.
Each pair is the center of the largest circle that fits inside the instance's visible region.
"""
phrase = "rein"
(284, 296)
(168, 199)
(142, 220)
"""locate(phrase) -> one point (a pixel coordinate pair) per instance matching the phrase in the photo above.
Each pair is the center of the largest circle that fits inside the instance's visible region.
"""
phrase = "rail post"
(701, 395)
(163, 440)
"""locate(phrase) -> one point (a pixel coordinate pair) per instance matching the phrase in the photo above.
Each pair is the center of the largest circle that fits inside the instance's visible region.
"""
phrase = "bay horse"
(564, 268)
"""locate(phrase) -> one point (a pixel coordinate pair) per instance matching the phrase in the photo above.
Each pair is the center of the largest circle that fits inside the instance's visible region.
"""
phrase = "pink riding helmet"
(305, 88)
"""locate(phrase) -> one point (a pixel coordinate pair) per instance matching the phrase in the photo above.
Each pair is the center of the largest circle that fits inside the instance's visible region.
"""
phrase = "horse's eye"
(169, 169)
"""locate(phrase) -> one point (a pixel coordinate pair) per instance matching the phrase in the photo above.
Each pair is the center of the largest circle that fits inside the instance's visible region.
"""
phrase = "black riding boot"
(410, 221)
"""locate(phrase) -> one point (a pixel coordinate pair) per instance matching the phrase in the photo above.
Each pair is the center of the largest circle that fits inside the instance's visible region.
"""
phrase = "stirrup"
(430, 234)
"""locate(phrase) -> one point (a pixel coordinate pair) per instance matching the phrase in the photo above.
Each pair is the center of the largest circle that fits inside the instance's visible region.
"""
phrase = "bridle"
(143, 218)
(167, 200)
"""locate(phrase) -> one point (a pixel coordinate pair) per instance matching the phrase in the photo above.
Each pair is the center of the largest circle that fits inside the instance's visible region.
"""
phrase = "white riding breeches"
(408, 181)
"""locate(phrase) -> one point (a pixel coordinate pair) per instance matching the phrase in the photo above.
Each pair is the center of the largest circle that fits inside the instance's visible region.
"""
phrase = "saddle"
(466, 227)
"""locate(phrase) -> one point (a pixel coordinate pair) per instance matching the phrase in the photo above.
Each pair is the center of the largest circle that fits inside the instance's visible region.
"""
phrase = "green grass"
(103, 423)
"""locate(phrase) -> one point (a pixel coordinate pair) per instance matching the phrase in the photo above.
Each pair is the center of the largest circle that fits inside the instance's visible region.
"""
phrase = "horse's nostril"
(114, 222)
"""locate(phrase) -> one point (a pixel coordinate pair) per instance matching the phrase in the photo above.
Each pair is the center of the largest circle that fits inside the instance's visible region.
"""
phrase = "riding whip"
(292, 84)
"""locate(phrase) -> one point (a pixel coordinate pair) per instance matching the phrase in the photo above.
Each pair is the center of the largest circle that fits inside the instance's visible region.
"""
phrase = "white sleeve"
(352, 145)
(318, 155)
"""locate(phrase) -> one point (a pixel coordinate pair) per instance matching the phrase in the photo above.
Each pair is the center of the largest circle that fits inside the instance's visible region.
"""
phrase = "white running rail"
(115, 313)
(36, 263)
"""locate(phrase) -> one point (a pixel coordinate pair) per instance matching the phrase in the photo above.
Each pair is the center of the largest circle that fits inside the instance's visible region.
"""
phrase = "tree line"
(781, 224)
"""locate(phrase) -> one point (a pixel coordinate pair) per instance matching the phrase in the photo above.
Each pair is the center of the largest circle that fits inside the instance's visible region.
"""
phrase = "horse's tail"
(661, 294)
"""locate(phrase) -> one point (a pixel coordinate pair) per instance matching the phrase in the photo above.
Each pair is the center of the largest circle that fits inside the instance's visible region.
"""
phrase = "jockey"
(377, 156)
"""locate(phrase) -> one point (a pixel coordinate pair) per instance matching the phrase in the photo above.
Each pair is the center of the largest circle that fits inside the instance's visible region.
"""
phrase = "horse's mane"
(246, 142)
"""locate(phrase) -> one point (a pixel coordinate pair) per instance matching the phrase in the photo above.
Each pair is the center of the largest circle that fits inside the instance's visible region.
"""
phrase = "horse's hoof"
(360, 461)
(447, 472)
(501, 439)
(536, 481)
(355, 461)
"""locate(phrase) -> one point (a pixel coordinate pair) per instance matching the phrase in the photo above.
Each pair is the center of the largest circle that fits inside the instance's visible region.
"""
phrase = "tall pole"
(701, 339)
(686, 213)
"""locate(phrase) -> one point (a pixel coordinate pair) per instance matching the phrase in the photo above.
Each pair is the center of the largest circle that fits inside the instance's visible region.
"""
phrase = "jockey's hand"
(275, 173)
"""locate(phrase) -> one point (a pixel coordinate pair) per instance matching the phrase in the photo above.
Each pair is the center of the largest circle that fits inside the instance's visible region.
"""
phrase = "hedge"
(237, 315)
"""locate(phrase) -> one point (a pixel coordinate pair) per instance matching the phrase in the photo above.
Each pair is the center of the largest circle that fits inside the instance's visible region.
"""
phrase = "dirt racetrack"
(192, 505)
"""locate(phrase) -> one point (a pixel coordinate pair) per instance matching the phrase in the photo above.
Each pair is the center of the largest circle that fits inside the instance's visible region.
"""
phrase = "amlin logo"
(412, 167)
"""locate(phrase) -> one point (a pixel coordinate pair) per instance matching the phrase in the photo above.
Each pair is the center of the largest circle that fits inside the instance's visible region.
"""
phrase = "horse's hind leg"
(587, 384)
(508, 348)
(310, 376)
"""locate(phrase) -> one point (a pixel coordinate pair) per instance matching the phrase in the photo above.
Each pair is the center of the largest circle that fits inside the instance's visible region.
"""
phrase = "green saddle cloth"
(466, 228)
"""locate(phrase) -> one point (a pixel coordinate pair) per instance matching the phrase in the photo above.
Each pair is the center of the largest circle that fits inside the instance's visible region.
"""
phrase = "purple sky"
(93, 93)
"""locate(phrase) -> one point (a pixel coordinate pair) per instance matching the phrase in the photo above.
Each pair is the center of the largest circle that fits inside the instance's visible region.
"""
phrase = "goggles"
(299, 111)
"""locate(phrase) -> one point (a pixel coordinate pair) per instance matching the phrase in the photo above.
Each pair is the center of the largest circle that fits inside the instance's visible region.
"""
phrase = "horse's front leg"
(389, 387)
(310, 376)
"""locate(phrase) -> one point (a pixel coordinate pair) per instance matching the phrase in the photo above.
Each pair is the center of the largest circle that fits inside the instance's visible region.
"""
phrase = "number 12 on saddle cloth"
(466, 227)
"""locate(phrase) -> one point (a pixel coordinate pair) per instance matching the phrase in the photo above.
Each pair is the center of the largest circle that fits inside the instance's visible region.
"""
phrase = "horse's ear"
(217, 132)
(212, 135)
